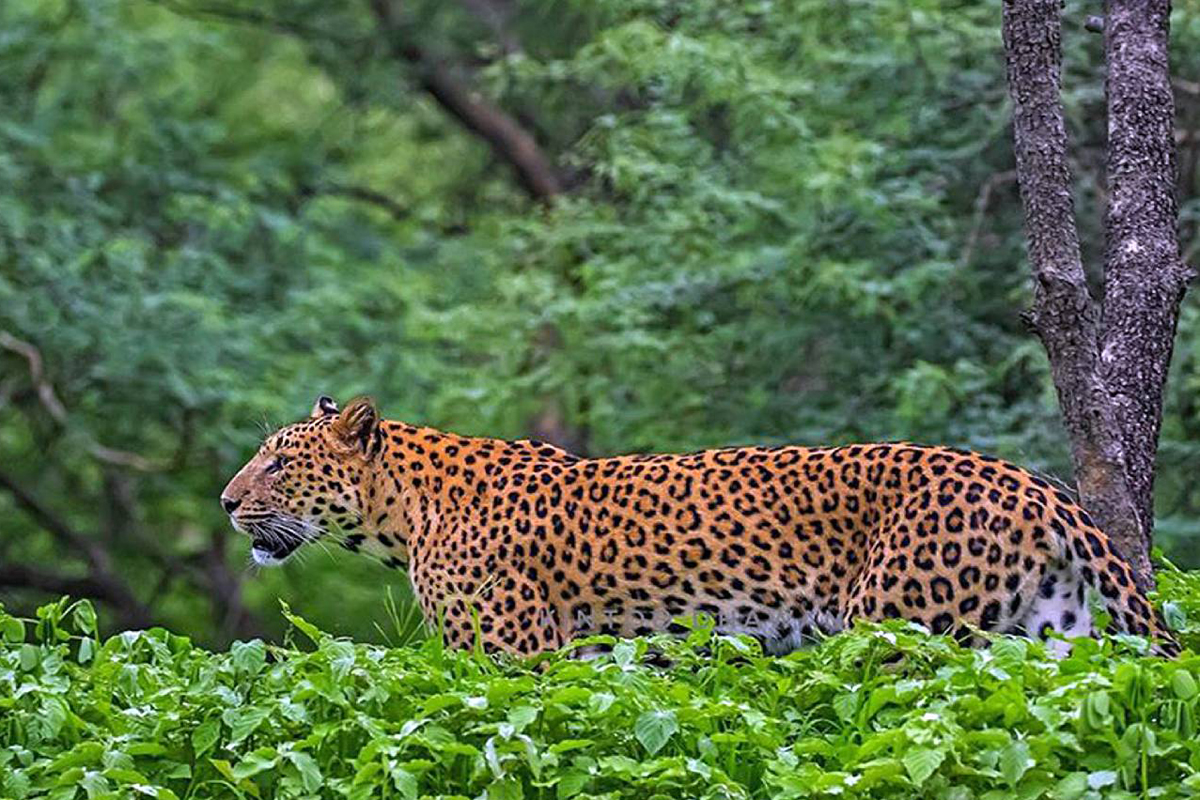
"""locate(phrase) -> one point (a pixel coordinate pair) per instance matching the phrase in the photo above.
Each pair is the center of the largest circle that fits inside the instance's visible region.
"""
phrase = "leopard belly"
(1061, 605)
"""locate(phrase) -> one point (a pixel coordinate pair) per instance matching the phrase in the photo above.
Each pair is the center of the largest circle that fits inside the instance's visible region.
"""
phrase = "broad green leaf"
(846, 705)
(54, 715)
(654, 728)
(29, 656)
(1070, 787)
(1015, 761)
(94, 784)
(571, 784)
(1183, 684)
(341, 657)
(1174, 616)
(406, 784)
(83, 754)
(306, 765)
(248, 657)
(87, 649)
(366, 780)
(205, 736)
(522, 716)
(505, 789)
(624, 652)
(1096, 709)
(13, 630)
(921, 762)
(243, 721)
(85, 617)
(600, 702)
(313, 633)
(260, 760)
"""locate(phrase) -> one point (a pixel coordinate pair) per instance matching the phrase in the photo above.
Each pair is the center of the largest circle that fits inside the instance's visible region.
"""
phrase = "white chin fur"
(264, 558)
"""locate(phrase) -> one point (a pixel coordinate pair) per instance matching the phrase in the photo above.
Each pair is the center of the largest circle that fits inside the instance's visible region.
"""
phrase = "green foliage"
(881, 711)
(783, 222)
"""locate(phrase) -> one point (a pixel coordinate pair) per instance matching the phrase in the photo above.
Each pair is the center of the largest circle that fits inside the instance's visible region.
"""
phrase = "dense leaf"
(363, 720)
(782, 222)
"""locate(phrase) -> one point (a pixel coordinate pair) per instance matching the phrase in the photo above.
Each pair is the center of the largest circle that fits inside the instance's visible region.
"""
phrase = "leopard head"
(307, 480)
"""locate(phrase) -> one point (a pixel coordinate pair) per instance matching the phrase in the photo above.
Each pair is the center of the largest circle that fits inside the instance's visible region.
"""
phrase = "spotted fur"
(782, 543)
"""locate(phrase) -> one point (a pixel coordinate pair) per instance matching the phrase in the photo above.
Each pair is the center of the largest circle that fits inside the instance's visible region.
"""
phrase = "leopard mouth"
(274, 538)
(272, 552)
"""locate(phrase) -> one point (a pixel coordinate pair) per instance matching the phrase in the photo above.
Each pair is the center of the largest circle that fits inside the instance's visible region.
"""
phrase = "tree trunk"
(1108, 361)
(1144, 276)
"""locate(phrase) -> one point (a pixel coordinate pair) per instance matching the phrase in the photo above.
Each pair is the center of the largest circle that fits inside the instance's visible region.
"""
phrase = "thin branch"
(513, 144)
(981, 206)
(1186, 86)
(257, 19)
(206, 570)
(48, 397)
(495, 16)
(103, 581)
(225, 587)
(123, 458)
(37, 374)
(25, 577)
(55, 525)
(510, 142)
(362, 194)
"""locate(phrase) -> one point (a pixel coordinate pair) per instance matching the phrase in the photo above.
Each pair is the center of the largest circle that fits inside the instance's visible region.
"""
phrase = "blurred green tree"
(621, 225)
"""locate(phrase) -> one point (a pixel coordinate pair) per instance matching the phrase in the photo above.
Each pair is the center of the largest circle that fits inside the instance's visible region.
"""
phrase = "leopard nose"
(230, 504)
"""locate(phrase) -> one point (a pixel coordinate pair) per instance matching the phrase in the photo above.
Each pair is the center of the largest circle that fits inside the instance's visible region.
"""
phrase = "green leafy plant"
(879, 711)
(780, 222)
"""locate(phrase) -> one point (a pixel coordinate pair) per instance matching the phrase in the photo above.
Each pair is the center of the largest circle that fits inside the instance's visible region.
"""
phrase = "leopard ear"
(323, 407)
(356, 425)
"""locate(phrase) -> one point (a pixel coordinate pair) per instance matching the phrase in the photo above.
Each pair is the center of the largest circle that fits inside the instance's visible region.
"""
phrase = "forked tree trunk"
(1108, 356)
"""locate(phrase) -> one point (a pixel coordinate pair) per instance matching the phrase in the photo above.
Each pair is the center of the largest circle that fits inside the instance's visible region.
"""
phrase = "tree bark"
(1108, 361)
(1144, 276)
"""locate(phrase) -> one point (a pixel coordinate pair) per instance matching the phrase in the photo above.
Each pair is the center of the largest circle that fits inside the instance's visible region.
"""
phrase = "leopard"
(522, 547)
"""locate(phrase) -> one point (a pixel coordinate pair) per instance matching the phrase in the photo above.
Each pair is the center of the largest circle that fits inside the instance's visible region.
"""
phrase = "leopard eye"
(276, 465)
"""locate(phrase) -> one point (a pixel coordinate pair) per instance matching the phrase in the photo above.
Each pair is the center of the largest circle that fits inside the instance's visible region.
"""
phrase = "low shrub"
(880, 711)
